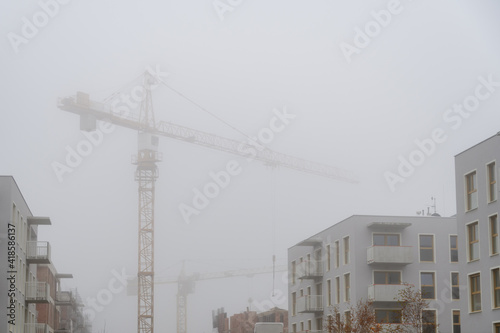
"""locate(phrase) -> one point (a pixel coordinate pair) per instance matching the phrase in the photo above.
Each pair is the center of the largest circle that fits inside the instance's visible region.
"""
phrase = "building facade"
(33, 301)
(373, 258)
(476, 172)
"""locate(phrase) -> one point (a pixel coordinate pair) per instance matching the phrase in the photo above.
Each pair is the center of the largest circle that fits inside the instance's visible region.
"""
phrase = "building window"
(495, 277)
(471, 190)
(337, 290)
(386, 240)
(328, 258)
(428, 285)
(347, 287)
(388, 316)
(294, 328)
(429, 321)
(346, 250)
(294, 304)
(494, 234)
(337, 254)
(497, 327)
(302, 326)
(319, 324)
(386, 277)
(329, 286)
(426, 248)
(492, 182)
(453, 248)
(309, 325)
(456, 321)
(455, 286)
(473, 240)
(475, 292)
(294, 271)
(347, 316)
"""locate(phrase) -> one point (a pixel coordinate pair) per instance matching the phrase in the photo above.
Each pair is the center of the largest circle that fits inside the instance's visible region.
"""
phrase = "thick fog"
(389, 91)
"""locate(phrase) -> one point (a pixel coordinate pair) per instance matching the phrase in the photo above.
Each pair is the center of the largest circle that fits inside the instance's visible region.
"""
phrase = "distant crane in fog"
(147, 173)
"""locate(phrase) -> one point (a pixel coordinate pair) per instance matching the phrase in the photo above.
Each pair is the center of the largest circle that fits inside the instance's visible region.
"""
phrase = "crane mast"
(146, 175)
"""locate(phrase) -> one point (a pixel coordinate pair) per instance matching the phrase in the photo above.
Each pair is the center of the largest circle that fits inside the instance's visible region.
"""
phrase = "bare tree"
(360, 318)
(414, 316)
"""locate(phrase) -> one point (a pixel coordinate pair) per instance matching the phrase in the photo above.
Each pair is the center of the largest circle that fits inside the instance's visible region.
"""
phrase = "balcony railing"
(37, 292)
(36, 328)
(385, 292)
(390, 255)
(38, 252)
(310, 304)
(310, 269)
(64, 298)
(65, 326)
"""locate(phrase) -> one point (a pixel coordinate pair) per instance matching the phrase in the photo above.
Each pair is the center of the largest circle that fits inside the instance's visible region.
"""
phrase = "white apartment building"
(476, 172)
(373, 258)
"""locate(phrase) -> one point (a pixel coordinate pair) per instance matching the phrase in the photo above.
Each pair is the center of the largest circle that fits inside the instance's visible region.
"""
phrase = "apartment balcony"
(38, 252)
(385, 292)
(36, 328)
(310, 269)
(310, 304)
(37, 292)
(65, 326)
(402, 255)
(64, 298)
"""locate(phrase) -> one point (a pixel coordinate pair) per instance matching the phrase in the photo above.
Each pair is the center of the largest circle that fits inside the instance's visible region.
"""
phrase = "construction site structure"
(149, 131)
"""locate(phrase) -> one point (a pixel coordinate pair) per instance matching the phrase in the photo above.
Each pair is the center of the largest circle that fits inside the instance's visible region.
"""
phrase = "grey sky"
(359, 115)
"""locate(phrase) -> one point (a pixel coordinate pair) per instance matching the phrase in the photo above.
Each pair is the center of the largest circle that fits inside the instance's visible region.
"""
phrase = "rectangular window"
(302, 326)
(346, 250)
(337, 290)
(329, 286)
(456, 321)
(453, 248)
(386, 277)
(473, 240)
(455, 286)
(309, 325)
(328, 258)
(337, 254)
(347, 287)
(494, 234)
(294, 328)
(319, 324)
(294, 271)
(426, 248)
(495, 277)
(388, 316)
(386, 240)
(347, 316)
(497, 327)
(475, 292)
(492, 182)
(471, 190)
(429, 321)
(428, 285)
(294, 304)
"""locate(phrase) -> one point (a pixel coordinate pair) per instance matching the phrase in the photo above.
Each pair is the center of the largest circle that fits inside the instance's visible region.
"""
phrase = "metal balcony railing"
(64, 298)
(310, 304)
(310, 269)
(37, 292)
(36, 328)
(38, 252)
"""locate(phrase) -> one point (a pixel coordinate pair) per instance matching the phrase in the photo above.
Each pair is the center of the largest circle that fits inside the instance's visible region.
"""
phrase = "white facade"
(373, 257)
(476, 172)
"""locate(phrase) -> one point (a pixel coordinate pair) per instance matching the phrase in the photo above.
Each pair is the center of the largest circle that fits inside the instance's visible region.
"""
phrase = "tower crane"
(146, 173)
(186, 284)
